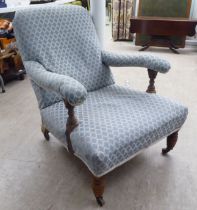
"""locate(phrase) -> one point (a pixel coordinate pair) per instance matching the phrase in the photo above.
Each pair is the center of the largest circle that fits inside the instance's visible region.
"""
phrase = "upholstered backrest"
(64, 40)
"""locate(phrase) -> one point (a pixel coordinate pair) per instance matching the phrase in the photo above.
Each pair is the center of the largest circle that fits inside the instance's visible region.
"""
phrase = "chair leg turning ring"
(171, 142)
(98, 189)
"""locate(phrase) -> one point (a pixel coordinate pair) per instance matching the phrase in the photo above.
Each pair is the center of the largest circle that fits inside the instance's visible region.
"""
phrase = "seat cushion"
(115, 123)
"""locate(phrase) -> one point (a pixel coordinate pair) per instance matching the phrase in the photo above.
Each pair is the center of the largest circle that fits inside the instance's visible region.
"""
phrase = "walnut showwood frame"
(98, 189)
(72, 122)
(171, 139)
(152, 76)
(171, 142)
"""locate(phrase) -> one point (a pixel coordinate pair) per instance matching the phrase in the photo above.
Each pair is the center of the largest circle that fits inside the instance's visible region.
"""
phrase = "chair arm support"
(71, 124)
(139, 60)
(152, 76)
(70, 89)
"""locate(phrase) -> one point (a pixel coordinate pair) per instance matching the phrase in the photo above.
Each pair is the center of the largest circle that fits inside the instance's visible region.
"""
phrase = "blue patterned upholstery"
(62, 39)
(67, 87)
(140, 60)
(115, 123)
(62, 56)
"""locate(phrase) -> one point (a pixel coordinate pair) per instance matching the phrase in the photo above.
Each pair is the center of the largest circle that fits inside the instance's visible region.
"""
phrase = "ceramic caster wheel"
(100, 201)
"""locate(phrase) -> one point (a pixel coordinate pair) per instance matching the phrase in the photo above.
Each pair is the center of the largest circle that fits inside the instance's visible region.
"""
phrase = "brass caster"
(100, 201)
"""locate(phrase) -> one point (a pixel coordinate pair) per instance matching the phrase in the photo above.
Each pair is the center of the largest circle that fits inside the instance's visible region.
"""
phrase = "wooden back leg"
(171, 142)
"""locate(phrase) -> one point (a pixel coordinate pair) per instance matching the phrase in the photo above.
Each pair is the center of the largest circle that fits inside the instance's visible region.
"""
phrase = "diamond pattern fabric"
(141, 60)
(67, 87)
(62, 56)
(63, 39)
(114, 124)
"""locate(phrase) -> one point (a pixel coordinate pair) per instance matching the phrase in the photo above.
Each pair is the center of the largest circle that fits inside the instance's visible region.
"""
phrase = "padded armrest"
(70, 89)
(138, 60)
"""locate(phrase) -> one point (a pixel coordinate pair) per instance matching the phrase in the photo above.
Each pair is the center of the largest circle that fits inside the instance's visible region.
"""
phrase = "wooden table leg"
(173, 48)
(144, 48)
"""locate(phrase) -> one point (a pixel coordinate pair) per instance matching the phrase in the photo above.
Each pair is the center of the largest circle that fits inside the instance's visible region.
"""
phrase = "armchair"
(103, 124)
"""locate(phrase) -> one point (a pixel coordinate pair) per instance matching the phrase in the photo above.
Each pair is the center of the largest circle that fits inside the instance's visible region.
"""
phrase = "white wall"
(12, 3)
(136, 7)
(194, 9)
(97, 11)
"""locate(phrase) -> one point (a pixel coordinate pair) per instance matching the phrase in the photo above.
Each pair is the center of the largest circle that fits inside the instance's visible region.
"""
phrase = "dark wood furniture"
(11, 66)
(161, 30)
(163, 9)
(41, 1)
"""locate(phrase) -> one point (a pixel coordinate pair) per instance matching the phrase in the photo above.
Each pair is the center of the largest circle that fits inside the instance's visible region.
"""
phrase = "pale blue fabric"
(139, 60)
(63, 58)
(63, 40)
(114, 124)
(67, 87)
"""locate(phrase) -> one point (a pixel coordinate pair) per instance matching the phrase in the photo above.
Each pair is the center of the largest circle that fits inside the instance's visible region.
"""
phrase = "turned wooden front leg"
(171, 142)
(71, 124)
(98, 189)
(152, 75)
